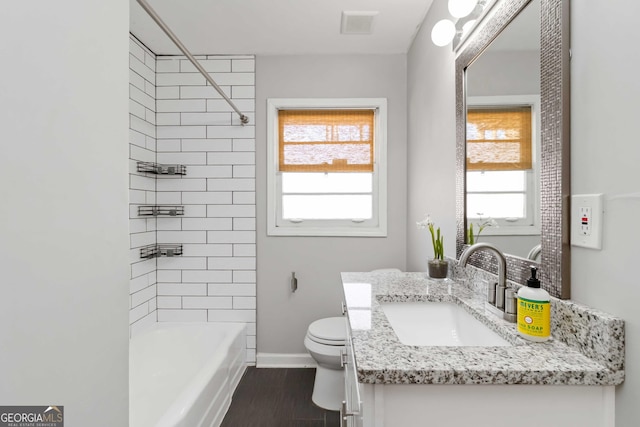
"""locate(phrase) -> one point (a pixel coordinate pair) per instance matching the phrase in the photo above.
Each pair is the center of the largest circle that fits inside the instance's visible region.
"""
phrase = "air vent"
(357, 22)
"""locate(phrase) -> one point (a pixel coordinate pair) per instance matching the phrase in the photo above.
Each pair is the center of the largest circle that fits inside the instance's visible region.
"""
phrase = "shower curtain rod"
(152, 13)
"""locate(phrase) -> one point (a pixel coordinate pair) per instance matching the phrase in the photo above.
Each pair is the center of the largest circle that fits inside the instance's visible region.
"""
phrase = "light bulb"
(461, 8)
(443, 32)
(468, 26)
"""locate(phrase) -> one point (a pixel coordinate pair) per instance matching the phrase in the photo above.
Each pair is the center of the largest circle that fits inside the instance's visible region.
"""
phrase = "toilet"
(325, 342)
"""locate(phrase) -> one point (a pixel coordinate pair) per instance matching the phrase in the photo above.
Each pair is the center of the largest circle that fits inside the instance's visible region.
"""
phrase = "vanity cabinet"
(415, 405)
(351, 410)
(421, 405)
(391, 384)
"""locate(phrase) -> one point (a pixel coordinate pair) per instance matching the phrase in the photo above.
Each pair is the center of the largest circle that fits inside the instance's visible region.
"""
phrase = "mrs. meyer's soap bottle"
(534, 311)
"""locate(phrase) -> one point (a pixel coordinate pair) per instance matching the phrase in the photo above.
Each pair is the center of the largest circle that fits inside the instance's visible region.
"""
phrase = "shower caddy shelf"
(161, 169)
(160, 250)
(157, 210)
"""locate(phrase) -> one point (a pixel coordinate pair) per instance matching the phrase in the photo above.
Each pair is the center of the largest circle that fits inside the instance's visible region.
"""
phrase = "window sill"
(327, 231)
(515, 230)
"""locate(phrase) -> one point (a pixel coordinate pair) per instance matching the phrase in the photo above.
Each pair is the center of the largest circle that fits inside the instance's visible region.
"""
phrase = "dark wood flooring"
(277, 398)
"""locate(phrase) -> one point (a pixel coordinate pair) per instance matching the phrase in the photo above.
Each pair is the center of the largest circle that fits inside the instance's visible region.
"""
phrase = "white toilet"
(325, 341)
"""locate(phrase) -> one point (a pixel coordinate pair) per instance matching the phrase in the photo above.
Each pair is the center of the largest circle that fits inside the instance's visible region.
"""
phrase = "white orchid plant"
(437, 239)
(481, 224)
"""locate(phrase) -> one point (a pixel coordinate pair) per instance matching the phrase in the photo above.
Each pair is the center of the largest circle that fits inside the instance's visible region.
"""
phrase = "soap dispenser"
(534, 310)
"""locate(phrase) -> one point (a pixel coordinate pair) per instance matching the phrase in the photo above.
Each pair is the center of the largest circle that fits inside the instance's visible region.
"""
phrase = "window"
(502, 177)
(326, 167)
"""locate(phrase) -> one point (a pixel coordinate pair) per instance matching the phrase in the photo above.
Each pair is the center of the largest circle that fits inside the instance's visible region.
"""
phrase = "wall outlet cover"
(586, 220)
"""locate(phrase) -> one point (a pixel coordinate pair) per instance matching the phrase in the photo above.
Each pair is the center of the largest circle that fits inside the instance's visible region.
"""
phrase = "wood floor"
(277, 398)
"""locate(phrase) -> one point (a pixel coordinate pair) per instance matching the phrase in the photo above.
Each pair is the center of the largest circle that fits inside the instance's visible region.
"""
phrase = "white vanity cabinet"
(525, 384)
(425, 405)
(422, 405)
(351, 410)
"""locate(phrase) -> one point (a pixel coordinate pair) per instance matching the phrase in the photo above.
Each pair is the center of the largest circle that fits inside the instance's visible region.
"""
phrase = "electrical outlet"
(586, 220)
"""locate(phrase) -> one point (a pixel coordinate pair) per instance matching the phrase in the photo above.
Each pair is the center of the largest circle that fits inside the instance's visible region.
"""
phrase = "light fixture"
(461, 8)
(443, 32)
(465, 13)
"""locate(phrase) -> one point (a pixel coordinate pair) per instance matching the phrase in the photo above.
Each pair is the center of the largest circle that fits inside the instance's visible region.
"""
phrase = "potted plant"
(438, 266)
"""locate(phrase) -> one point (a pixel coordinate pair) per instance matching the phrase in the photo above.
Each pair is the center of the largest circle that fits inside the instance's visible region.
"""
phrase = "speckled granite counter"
(587, 347)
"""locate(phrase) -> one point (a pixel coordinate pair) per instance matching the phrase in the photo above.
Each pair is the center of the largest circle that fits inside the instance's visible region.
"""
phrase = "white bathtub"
(184, 374)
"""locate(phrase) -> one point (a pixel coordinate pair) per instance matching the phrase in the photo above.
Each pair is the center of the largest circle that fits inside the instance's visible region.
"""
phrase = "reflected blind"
(499, 138)
(326, 140)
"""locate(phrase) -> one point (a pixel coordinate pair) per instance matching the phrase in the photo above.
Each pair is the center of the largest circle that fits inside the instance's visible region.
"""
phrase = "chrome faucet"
(502, 268)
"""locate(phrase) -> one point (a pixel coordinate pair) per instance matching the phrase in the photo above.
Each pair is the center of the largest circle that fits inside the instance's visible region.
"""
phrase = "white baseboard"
(285, 360)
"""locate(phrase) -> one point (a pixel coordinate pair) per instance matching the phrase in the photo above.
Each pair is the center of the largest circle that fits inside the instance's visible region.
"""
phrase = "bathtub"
(184, 374)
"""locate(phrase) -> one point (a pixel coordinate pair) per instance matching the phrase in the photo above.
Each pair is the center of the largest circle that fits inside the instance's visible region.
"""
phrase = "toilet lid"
(332, 329)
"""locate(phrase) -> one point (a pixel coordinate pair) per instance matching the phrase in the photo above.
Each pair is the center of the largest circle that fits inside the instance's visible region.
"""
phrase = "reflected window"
(499, 138)
(501, 195)
(501, 157)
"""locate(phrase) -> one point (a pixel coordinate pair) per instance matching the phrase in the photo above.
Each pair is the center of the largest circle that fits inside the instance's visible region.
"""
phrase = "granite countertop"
(382, 359)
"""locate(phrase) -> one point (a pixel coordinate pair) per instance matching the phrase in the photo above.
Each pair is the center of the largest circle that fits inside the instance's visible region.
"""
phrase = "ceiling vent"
(357, 22)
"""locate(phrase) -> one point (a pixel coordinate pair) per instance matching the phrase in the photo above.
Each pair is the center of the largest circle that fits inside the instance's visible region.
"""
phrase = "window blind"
(499, 138)
(326, 140)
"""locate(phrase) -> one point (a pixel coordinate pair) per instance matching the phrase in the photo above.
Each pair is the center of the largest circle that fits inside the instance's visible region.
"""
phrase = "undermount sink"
(438, 324)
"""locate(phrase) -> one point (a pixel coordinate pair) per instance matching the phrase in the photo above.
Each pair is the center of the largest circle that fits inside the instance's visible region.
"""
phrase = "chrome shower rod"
(152, 13)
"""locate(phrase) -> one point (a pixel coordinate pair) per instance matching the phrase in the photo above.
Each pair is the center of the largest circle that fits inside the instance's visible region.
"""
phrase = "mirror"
(503, 139)
(512, 113)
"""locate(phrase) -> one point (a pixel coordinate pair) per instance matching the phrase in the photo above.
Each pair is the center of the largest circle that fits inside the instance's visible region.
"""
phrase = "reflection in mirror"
(503, 138)
(496, 89)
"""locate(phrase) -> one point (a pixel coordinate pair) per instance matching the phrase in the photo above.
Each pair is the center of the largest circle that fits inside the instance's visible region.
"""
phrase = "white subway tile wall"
(142, 187)
(215, 279)
(176, 118)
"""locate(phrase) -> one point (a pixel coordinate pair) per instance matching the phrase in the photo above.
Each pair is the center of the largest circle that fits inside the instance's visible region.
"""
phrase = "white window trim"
(534, 102)
(380, 168)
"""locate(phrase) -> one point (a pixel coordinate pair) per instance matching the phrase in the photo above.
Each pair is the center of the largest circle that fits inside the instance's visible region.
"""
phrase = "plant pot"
(438, 269)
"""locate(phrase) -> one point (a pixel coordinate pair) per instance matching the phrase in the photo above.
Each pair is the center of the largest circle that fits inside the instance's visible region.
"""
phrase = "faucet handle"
(491, 292)
(510, 305)
(500, 296)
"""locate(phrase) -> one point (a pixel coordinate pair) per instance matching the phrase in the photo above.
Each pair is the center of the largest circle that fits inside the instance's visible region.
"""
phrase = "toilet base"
(328, 388)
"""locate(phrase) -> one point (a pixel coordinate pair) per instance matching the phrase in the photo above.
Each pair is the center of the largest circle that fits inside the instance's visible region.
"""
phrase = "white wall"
(283, 317)
(431, 154)
(63, 216)
(604, 156)
(604, 159)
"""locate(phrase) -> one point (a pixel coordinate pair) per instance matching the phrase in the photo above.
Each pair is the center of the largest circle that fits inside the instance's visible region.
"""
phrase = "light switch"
(586, 220)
